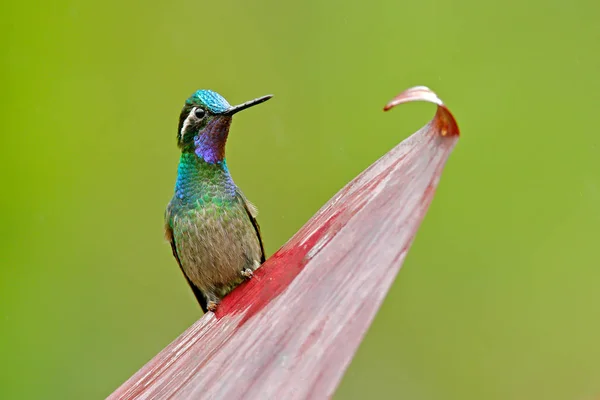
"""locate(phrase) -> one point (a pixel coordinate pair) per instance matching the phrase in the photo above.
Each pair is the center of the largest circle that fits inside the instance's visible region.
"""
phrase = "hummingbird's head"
(204, 123)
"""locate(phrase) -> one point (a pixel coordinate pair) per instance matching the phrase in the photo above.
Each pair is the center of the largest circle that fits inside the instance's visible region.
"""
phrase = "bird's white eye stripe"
(187, 121)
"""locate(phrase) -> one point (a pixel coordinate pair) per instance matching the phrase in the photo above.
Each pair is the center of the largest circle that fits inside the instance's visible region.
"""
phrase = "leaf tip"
(444, 120)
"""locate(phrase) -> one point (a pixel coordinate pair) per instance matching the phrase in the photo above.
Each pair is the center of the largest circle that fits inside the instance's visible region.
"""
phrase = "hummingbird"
(210, 224)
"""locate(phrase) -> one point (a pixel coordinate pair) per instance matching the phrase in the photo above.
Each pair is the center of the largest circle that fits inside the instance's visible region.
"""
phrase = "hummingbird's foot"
(212, 305)
(212, 301)
(247, 273)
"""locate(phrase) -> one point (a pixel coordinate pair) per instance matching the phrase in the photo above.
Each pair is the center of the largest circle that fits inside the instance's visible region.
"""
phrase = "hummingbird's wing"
(171, 238)
(252, 212)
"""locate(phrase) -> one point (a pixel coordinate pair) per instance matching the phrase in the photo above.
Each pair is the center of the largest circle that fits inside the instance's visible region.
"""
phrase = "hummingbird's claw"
(212, 306)
(247, 273)
(212, 301)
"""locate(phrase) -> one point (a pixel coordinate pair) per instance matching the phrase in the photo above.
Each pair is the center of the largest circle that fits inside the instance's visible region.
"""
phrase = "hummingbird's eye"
(199, 113)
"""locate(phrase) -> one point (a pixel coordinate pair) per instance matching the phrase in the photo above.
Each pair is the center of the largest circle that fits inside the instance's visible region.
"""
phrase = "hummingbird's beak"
(247, 104)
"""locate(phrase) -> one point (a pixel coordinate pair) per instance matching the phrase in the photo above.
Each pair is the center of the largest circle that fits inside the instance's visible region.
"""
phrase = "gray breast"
(215, 244)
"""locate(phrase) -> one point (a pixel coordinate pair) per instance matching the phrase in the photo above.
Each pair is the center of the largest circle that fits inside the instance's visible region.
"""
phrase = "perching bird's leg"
(247, 273)
(212, 301)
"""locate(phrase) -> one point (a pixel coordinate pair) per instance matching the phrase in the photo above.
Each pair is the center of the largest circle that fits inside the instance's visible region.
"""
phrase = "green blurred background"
(499, 297)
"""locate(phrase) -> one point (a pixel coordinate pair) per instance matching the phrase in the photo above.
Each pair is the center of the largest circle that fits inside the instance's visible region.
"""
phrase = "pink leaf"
(291, 331)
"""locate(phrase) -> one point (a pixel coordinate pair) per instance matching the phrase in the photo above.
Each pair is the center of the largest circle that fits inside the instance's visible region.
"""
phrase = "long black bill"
(247, 104)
